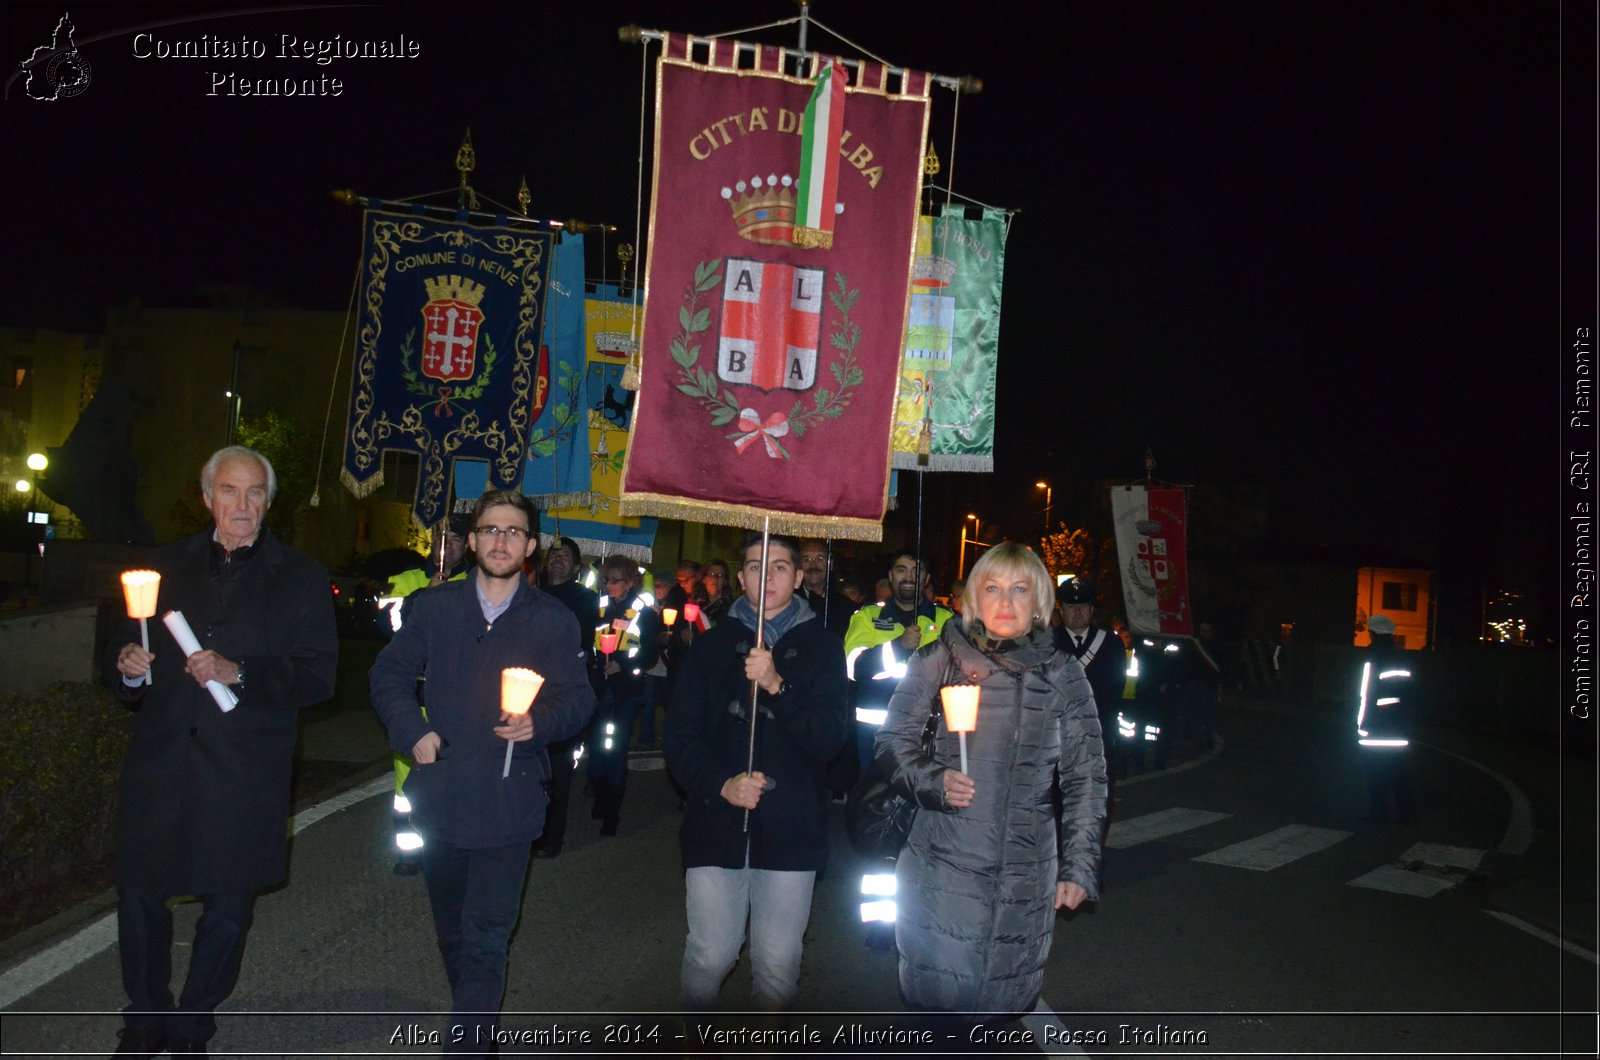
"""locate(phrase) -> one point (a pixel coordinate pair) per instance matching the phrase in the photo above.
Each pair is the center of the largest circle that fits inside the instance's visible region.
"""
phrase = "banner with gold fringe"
(599, 526)
(447, 358)
(769, 369)
(944, 420)
(556, 474)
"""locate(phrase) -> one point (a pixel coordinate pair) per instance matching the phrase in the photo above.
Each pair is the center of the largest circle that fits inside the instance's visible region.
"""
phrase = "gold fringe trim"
(901, 460)
(815, 238)
(750, 518)
(547, 501)
(593, 546)
(361, 490)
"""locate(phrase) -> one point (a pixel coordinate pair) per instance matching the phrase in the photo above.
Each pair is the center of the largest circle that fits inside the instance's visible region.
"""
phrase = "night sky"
(1305, 246)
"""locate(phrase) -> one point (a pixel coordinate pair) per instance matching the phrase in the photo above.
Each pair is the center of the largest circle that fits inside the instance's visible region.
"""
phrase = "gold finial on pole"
(930, 162)
(466, 162)
(624, 255)
(524, 196)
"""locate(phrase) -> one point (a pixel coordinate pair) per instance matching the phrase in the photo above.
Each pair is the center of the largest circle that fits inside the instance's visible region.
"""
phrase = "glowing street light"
(37, 462)
(977, 528)
(1047, 493)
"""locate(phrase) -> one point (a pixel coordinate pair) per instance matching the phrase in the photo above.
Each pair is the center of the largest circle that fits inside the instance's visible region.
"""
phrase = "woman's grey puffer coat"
(976, 887)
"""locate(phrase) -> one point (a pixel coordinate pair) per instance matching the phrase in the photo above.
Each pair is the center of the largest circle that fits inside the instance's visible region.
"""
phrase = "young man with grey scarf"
(763, 872)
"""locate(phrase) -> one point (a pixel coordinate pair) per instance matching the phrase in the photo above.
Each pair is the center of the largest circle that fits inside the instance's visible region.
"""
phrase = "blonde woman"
(995, 851)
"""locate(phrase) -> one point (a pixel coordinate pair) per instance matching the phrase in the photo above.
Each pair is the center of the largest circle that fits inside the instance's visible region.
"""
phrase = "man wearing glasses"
(478, 822)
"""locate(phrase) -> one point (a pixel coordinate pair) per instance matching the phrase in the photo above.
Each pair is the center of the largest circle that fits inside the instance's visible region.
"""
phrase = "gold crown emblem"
(453, 288)
(763, 209)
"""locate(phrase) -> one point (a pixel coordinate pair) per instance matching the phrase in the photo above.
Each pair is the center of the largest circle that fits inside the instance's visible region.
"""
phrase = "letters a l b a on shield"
(451, 319)
(771, 323)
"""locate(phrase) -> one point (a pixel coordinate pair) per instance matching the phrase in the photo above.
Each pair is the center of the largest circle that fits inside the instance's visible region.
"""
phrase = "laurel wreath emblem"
(702, 386)
(443, 395)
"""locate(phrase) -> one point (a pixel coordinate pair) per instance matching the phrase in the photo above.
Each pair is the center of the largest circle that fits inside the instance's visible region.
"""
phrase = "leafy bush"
(59, 762)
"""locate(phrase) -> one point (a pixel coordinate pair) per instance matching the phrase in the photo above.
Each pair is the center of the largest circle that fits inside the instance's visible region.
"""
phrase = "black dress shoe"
(186, 1047)
(546, 852)
(406, 868)
(608, 826)
(141, 1043)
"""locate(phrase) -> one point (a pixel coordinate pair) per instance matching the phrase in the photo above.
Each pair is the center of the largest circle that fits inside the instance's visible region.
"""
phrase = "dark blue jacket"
(462, 798)
(708, 737)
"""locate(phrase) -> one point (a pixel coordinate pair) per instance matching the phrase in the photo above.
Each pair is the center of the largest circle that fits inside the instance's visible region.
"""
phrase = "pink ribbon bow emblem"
(777, 426)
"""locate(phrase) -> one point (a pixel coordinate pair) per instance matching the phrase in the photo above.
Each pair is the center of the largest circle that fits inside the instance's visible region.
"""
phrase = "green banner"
(945, 414)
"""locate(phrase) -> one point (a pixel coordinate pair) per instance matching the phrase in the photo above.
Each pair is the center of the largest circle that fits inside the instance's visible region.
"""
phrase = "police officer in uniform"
(1104, 661)
(1383, 725)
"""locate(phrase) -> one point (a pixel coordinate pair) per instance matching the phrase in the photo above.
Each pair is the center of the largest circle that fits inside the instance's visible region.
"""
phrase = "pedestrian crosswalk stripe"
(1275, 849)
(1423, 871)
(1158, 825)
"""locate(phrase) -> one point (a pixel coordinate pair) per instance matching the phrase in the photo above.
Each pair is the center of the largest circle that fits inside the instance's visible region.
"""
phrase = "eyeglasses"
(513, 534)
(617, 581)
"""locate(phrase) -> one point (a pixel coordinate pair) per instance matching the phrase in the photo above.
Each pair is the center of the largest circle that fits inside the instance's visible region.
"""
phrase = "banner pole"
(761, 626)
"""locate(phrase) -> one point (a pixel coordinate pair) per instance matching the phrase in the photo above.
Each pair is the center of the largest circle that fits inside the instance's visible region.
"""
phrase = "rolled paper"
(608, 643)
(139, 588)
(691, 612)
(963, 738)
(669, 615)
(960, 707)
(178, 626)
(518, 686)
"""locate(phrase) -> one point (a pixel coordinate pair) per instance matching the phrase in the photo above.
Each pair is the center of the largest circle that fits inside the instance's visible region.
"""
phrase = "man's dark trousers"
(476, 897)
(144, 941)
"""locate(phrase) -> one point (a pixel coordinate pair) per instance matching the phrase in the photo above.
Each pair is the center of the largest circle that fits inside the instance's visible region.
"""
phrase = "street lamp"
(235, 400)
(1047, 493)
(977, 528)
(37, 462)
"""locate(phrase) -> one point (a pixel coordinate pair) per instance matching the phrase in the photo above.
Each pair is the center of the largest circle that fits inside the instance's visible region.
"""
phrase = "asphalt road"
(1248, 909)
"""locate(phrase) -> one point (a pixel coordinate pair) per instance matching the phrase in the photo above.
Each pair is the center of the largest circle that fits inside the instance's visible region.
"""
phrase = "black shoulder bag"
(877, 818)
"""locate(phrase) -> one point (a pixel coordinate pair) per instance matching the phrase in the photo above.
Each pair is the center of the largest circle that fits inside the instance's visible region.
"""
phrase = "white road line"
(1539, 933)
(59, 959)
(1396, 880)
(84, 943)
(1276, 848)
(1424, 870)
(343, 801)
(1049, 1033)
(1519, 833)
(1135, 830)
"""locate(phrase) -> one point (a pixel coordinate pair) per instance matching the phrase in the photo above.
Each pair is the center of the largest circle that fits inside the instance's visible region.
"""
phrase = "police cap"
(1075, 591)
(1382, 625)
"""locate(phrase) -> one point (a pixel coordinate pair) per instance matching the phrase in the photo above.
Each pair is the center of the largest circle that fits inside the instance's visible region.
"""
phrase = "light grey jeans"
(778, 905)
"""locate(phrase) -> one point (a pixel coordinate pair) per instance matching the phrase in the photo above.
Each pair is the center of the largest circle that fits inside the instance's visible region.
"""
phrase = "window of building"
(1399, 596)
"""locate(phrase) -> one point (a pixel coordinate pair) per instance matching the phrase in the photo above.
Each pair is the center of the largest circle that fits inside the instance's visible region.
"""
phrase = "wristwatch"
(239, 669)
(784, 688)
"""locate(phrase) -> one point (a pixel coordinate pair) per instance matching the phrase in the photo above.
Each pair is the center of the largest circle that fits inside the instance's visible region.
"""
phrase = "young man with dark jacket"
(479, 823)
(764, 871)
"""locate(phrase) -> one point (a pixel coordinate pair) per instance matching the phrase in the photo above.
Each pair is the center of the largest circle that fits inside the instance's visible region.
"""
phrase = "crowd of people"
(771, 694)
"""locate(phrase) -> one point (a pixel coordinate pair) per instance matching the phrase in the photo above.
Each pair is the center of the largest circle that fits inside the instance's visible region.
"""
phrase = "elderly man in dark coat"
(203, 801)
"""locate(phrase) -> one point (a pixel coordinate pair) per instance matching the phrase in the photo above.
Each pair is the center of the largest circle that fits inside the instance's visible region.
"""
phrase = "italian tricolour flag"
(822, 127)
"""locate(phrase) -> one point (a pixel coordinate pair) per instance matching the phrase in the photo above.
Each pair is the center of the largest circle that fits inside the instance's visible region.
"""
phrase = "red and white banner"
(769, 362)
(1152, 545)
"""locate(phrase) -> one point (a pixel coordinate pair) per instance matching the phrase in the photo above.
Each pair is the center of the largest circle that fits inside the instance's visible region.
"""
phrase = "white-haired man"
(203, 800)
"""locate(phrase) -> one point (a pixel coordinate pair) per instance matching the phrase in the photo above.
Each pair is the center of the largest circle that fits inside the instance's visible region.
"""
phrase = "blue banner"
(448, 363)
(557, 470)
